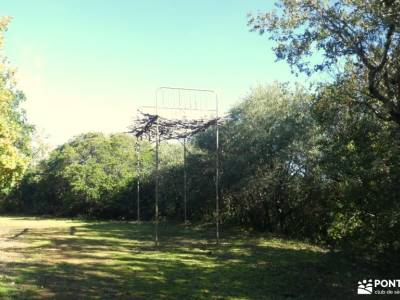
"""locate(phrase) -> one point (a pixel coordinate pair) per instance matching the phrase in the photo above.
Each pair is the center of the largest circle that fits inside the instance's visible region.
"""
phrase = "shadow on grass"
(116, 260)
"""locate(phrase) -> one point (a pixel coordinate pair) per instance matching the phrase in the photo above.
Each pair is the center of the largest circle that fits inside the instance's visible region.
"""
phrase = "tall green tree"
(14, 131)
(363, 35)
(360, 159)
(267, 162)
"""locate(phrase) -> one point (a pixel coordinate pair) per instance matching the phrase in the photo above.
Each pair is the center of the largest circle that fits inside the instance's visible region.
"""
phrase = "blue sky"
(87, 65)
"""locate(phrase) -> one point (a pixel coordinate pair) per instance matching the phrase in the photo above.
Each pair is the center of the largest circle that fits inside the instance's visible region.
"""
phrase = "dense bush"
(360, 159)
(91, 175)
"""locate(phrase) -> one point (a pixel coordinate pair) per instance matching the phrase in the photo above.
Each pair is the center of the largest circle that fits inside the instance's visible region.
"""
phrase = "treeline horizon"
(292, 163)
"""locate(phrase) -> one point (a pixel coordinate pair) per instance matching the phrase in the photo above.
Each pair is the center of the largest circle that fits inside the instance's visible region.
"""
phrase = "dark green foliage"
(360, 159)
(91, 175)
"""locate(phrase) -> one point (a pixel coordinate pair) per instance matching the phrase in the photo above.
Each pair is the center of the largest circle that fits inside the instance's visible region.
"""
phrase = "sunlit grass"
(65, 259)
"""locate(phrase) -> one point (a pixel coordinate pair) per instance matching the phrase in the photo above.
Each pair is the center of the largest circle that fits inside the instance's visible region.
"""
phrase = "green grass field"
(65, 259)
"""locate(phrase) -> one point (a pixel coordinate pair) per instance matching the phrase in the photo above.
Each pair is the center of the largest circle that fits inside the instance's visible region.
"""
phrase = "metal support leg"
(217, 172)
(184, 181)
(138, 181)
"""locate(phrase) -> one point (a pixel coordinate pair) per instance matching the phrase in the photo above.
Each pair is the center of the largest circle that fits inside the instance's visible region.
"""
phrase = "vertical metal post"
(184, 180)
(157, 173)
(138, 180)
(217, 169)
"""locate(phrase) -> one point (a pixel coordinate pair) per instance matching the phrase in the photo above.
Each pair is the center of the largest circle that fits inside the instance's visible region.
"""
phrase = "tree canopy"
(14, 131)
(87, 176)
(358, 40)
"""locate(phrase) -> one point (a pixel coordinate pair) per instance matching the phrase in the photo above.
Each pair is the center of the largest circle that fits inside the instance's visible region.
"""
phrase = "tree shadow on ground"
(118, 260)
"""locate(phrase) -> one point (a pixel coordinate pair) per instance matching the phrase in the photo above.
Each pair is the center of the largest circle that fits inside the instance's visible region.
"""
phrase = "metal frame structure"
(177, 130)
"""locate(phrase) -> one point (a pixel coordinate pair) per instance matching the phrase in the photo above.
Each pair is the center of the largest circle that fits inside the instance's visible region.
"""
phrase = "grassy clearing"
(64, 259)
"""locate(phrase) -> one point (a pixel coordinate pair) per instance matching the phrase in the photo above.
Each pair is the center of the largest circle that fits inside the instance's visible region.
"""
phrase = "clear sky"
(85, 65)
